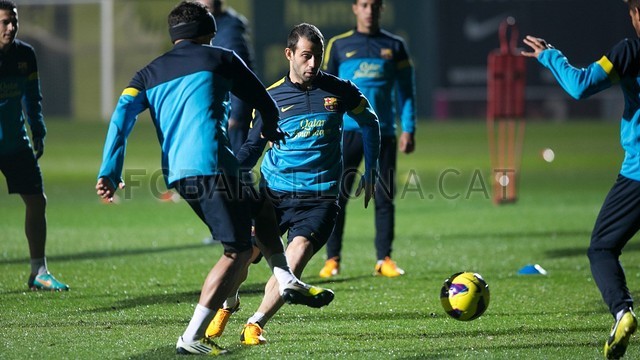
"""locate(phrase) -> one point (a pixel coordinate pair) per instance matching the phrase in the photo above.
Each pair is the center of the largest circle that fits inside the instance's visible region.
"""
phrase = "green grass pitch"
(135, 268)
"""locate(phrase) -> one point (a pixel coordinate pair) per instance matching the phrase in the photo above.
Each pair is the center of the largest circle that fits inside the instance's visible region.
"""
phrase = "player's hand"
(368, 186)
(274, 135)
(536, 44)
(106, 190)
(406, 143)
(38, 146)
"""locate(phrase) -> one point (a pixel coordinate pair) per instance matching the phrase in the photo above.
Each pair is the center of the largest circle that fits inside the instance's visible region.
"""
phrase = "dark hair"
(381, 2)
(190, 20)
(7, 5)
(186, 12)
(307, 31)
(633, 4)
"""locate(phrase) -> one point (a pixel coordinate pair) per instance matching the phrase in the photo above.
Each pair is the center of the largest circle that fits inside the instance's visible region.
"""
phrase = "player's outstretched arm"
(579, 83)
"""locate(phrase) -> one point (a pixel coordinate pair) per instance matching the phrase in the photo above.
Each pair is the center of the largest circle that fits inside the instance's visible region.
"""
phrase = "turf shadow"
(92, 255)
(316, 280)
(582, 251)
(507, 235)
(189, 297)
(169, 352)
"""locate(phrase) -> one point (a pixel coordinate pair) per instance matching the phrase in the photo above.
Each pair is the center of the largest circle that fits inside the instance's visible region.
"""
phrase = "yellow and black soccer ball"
(465, 296)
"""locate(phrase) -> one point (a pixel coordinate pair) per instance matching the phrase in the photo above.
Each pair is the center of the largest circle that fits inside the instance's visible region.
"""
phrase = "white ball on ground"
(548, 155)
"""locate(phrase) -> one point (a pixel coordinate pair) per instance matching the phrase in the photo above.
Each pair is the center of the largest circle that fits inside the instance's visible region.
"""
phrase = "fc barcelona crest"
(386, 53)
(331, 103)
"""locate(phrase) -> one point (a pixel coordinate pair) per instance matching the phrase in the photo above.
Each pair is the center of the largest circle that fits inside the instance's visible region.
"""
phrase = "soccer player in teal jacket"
(378, 63)
(619, 217)
(309, 163)
(20, 84)
(301, 177)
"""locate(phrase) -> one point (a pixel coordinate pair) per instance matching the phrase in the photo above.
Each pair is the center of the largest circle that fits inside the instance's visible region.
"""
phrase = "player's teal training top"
(309, 162)
(19, 84)
(620, 65)
(187, 93)
(380, 66)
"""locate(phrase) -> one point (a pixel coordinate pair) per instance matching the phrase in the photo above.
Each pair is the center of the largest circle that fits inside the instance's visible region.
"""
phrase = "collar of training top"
(191, 30)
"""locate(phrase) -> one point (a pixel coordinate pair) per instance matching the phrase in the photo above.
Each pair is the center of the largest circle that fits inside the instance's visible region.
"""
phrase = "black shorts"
(310, 216)
(22, 173)
(223, 206)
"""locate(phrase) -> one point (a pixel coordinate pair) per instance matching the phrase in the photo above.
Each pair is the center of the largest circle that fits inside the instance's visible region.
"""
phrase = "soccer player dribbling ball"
(300, 179)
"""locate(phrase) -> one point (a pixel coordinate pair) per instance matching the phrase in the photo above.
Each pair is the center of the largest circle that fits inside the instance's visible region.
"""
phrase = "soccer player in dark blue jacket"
(186, 91)
(619, 217)
(378, 63)
(301, 177)
(233, 34)
(20, 84)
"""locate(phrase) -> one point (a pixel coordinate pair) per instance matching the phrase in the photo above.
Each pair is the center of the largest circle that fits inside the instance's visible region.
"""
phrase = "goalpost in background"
(106, 29)
(107, 63)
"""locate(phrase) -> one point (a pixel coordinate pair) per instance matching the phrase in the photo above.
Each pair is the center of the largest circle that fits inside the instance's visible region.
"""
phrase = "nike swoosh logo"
(286, 108)
(351, 53)
(476, 30)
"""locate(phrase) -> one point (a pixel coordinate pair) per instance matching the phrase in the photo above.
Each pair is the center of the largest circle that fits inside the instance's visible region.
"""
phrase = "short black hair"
(7, 5)
(307, 31)
(381, 2)
(186, 12)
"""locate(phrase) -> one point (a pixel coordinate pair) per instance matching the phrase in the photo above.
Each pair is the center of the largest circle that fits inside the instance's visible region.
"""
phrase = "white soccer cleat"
(204, 346)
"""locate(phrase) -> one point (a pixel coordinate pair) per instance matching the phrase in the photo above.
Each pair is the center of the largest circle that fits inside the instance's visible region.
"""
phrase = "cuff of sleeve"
(547, 56)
